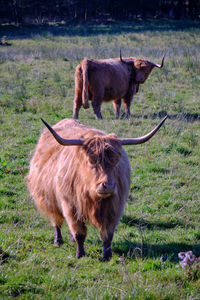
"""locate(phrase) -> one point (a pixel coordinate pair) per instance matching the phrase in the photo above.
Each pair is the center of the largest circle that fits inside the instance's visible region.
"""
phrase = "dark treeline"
(42, 11)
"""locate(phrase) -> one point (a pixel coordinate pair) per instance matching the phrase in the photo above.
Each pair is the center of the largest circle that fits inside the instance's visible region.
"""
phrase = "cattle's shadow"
(130, 221)
(168, 251)
(144, 249)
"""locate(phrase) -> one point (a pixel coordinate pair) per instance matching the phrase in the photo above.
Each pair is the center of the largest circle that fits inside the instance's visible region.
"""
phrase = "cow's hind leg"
(58, 236)
(56, 221)
(77, 106)
(56, 218)
(117, 106)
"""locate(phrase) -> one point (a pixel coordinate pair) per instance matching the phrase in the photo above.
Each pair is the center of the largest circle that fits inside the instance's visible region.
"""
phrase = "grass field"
(162, 215)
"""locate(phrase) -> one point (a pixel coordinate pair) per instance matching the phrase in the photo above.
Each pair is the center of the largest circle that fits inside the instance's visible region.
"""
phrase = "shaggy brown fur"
(108, 80)
(80, 184)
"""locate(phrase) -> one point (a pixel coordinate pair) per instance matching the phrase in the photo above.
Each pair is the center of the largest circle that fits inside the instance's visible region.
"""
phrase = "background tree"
(20, 11)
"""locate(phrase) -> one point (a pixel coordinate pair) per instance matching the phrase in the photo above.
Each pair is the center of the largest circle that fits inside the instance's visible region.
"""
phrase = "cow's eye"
(92, 163)
(111, 158)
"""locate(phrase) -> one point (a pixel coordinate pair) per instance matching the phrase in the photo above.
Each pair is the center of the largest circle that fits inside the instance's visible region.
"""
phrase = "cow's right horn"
(62, 141)
(162, 63)
(142, 139)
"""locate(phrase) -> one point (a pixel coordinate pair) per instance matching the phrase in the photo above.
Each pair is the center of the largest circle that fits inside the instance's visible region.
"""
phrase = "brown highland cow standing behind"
(81, 178)
(109, 80)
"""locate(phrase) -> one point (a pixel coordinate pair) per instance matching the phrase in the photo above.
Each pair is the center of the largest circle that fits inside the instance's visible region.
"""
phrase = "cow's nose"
(108, 187)
(105, 189)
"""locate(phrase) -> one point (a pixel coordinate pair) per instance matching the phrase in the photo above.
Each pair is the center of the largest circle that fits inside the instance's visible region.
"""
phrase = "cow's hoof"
(80, 254)
(86, 106)
(72, 240)
(125, 116)
(107, 254)
(58, 242)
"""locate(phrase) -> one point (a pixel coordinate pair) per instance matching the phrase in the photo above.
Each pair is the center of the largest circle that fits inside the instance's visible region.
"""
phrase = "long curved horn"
(142, 139)
(62, 141)
(125, 61)
(162, 63)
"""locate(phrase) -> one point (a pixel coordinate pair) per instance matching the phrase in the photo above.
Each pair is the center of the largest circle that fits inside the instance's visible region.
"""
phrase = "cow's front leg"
(127, 104)
(129, 98)
(117, 106)
(77, 228)
(97, 110)
(107, 241)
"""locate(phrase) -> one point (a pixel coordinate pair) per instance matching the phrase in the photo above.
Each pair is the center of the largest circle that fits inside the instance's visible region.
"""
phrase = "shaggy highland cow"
(81, 175)
(109, 80)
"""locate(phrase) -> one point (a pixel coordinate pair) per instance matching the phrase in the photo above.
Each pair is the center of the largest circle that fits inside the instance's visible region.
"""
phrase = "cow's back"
(108, 78)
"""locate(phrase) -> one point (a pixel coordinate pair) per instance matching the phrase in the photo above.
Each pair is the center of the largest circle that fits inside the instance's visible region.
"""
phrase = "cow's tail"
(85, 84)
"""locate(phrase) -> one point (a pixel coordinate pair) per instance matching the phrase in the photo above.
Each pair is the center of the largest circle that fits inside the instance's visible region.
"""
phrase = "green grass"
(162, 216)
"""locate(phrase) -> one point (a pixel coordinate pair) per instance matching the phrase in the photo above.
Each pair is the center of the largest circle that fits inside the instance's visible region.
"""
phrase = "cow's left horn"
(162, 63)
(62, 141)
(142, 139)
(125, 61)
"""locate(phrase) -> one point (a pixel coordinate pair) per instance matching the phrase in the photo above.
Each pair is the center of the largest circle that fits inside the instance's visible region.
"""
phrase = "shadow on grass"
(5, 44)
(188, 117)
(93, 28)
(3, 256)
(166, 251)
(144, 250)
(156, 225)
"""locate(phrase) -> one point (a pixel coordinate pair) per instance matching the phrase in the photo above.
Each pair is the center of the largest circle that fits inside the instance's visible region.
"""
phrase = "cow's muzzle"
(106, 189)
